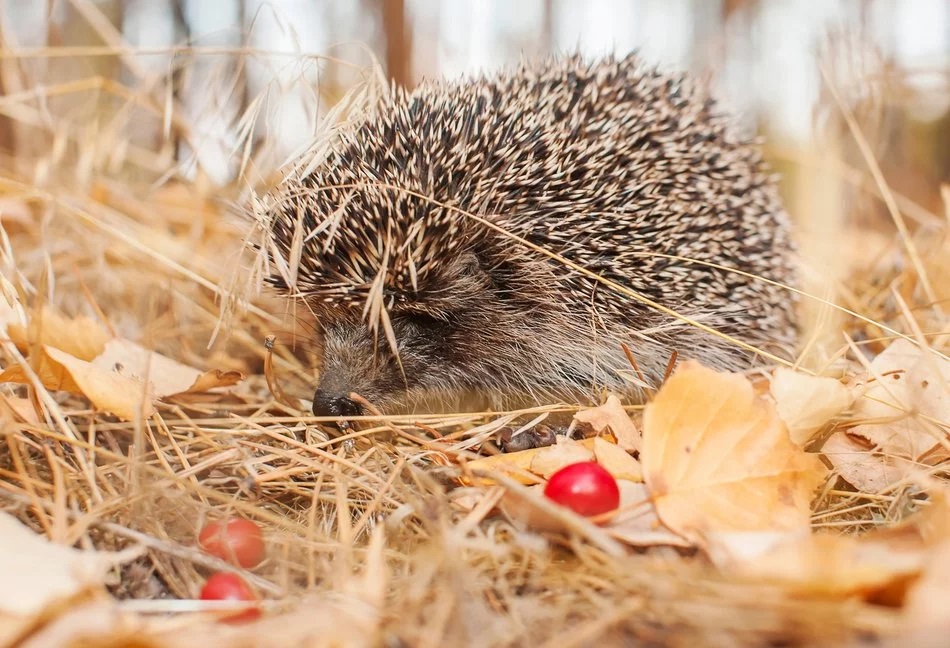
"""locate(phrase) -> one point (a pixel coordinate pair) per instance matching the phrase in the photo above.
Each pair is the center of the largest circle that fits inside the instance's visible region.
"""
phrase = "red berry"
(585, 488)
(224, 586)
(236, 540)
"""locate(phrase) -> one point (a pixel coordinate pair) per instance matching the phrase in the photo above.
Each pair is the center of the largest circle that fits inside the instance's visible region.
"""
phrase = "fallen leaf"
(565, 452)
(38, 573)
(11, 311)
(101, 619)
(168, 377)
(213, 379)
(81, 337)
(927, 605)
(20, 409)
(858, 464)
(14, 208)
(906, 390)
(636, 522)
(611, 416)
(807, 403)
(833, 565)
(108, 391)
(616, 461)
(718, 458)
(516, 465)
(526, 514)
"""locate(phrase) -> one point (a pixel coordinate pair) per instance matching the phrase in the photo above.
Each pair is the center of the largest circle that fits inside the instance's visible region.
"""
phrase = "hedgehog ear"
(468, 265)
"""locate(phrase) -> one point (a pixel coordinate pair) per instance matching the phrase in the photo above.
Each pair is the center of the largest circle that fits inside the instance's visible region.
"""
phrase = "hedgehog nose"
(329, 403)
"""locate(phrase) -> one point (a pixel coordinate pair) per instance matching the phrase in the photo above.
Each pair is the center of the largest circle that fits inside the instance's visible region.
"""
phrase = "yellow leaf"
(718, 458)
(616, 461)
(565, 452)
(636, 522)
(166, 376)
(907, 389)
(807, 403)
(37, 572)
(107, 390)
(80, 337)
(611, 416)
(834, 565)
(517, 465)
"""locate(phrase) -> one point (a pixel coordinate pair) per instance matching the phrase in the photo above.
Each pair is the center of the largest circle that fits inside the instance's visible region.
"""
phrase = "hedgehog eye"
(425, 320)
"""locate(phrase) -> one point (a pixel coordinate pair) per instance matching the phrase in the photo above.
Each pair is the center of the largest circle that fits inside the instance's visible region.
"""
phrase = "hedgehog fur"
(628, 172)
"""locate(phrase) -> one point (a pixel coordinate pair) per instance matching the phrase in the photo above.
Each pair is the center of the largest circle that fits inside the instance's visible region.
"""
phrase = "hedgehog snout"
(352, 362)
(334, 403)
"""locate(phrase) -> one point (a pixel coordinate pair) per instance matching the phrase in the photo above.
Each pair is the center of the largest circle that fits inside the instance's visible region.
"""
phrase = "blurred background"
(765, 59)
(852, 96)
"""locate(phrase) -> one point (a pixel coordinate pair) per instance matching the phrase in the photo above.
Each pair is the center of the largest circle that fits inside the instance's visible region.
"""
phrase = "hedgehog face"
(435, 349)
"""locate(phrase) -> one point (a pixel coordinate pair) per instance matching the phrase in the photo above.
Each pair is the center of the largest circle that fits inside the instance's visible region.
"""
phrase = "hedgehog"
(508, 235)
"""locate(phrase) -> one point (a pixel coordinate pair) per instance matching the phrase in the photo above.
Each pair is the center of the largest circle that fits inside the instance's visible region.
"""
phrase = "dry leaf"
(718, 458)
(906, 387)
(12, 312)
(927, 606)
(38, 573)
(616, 461)
(525, 514)
(167, 376)
(860, 465)
(108, 391)
(15, 210)
(879, 563)
(565, 452)
(516, 465)
(636, 522)
(81, 337)
(807, 403)
(612, 416)
(20, 409)
(213, 379)
(100, 619)
(834, 565)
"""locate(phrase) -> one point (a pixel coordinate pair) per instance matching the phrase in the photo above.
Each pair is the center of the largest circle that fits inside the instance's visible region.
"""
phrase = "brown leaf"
(527, 515)
(927, 606)
(215, 378)
(907, 389)
(108, 391)
(636, 522)
(38, 573)
(807, 403)
(859, 464)
(20, 409)
(565, 452)
(616, 461)
(81, 337)
(167, 376)
(516, 465)
(833, 565)
(718, 458)
(611, 416)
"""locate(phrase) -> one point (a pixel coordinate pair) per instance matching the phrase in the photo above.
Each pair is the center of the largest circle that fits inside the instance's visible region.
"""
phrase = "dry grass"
(369, 539)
